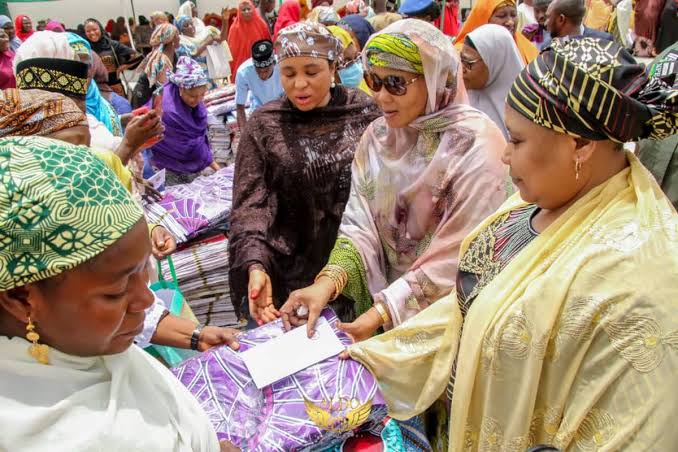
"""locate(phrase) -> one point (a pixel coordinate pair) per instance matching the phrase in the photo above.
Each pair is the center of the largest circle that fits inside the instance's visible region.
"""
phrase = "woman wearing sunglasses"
(424, 175)
(293, 173)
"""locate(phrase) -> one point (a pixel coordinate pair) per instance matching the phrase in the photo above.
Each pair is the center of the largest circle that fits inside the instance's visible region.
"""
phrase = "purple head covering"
(184, 148)
(188, 74)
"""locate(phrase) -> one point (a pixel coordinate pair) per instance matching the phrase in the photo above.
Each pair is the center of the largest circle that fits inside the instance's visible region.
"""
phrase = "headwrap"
(308, 39)
(188, 74)
(186, 9)
(158, 14)
(262, 54)
(394, 51)
(18, 25)
(36, 112)
(68, 77)
(324, 15)
(359, 26)
(342, 35)
(356, 7)
(593, 88)
(45, 44)
(54, 26)
(383, 20)
(4, 20)
(180, 21)
(62, 207)
(157, 61)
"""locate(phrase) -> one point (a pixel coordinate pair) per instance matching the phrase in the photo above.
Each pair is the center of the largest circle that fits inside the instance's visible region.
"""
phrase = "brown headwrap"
(308, 39)
(36, 112)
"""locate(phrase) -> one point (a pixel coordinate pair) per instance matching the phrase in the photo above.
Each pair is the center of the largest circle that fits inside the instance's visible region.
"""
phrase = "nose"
(300, 83)
(506, 155)
(140, 296)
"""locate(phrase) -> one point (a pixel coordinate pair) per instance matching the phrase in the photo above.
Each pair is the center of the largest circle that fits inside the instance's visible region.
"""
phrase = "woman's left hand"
(214, 336)
(364, 326)
(162, 243)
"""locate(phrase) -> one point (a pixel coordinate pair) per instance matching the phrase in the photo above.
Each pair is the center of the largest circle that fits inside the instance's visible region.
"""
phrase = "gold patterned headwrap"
(52, 74)
(592, 88)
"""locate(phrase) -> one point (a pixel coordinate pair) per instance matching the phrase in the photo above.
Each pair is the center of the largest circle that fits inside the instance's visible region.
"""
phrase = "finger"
(229, 340)
(286, 321)
(313, 315)
(344, 355)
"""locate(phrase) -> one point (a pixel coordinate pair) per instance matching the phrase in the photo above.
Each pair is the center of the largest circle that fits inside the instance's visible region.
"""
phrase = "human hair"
(572, 9)
(541, 4)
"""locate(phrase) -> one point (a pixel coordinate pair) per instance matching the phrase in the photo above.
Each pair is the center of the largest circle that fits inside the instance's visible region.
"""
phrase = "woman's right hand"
(260, 297)
(311, 299)
(140, 130)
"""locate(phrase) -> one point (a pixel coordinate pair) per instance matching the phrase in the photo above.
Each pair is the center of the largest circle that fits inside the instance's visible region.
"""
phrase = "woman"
(158, 18)
(23, 26)
(188, 8)
(142, 35)
(184, 152)
(450, 17)
(97, 106)
(567, 293)
(109, 26)
(491, 63)
(350, 72)
(290, 13)
(498, 12)
(209, 51)
(294, 158)
(424, 176)
(53, 25)
(359, 27)
(156, 66)
(74, 375)
(7, 25)
(247, 29)
(119, 29)
(114, 55)
(7, 79)
(268, 13)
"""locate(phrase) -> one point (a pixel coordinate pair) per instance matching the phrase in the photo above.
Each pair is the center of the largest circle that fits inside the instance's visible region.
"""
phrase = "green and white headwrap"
(59, 207)
(394, 51)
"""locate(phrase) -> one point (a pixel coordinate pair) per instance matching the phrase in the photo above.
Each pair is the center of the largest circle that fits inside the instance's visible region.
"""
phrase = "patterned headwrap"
(60, 206)
(394, 51)
(157, 61)
(50, 74)
(188, 74)
(308, 39)
(36, 112)
(594, 89)
(181, 21)
(324, 15)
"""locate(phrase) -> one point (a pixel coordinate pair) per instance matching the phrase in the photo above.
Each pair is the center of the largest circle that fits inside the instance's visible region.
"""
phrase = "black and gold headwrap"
(594, 89)
(52, 74)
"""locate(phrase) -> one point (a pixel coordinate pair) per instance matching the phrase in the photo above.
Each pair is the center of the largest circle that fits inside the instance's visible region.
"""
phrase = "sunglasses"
(394, 84)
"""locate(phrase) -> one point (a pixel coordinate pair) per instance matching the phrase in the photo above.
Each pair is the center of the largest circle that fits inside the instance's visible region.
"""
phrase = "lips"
(302, 100)
(390, 114)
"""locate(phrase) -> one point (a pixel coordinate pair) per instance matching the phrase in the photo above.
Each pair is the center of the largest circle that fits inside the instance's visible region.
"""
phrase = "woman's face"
(4, 41)
(97, 308)
(307, 81)
(9, 29)
(268, 6)
(193, 96)
(401, 111)
(26, 24)
(506, 16)
(246, 11)
(78, 135)
(93, 31)
(188, 29)
(545, 175)
(475, 71)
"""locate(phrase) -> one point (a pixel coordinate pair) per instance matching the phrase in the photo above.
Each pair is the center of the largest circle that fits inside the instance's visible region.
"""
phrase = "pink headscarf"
(55, 26)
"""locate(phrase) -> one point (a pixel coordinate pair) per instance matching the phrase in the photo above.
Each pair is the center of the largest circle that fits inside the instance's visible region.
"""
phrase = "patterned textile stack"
(197, 209)
(219, 137)
(221, 101)
(202, 273)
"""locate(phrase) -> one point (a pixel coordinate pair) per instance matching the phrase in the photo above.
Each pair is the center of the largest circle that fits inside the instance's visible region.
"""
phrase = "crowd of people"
(486, 199)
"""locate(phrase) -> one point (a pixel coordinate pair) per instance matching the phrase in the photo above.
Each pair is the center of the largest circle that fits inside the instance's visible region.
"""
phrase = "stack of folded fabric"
(219, 137)
(202, 273)
(197, 209)
(221, 101)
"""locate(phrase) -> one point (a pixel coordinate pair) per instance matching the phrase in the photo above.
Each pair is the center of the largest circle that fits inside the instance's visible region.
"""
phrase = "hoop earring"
(39, 352)
(577, 167)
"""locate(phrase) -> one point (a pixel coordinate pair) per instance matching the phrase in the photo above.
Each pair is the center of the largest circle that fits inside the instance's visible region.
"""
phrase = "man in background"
(566, 17)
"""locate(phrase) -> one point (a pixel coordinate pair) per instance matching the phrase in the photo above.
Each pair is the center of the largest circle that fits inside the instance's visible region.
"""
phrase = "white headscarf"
(45, 44)
(186, 9)
(498, 50)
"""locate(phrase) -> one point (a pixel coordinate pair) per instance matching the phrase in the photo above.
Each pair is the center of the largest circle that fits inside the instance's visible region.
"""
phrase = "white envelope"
(291, 352)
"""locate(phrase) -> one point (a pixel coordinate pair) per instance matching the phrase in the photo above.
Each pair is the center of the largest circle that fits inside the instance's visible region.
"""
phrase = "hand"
(364, 326)
(529, 34)
(214, 336)
(314, 298)
(226, 446)
(260, 296)
(139, 130)
(226, 14)
(162, 243)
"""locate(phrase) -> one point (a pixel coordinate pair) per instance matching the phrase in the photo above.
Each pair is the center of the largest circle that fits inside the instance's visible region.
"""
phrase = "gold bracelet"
(381, 309)
(337, 275)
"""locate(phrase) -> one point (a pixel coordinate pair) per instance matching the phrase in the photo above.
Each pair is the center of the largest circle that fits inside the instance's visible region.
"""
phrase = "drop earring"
(577, 167)
(39, 352)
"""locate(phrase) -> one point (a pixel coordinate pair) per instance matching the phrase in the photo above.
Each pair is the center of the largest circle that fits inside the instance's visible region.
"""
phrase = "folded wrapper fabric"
(315, 409)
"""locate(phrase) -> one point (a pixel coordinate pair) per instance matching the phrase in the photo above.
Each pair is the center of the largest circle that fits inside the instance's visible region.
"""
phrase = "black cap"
(262, 53)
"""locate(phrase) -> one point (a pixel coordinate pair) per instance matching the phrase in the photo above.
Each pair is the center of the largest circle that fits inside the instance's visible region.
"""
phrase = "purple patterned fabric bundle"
(277, 417)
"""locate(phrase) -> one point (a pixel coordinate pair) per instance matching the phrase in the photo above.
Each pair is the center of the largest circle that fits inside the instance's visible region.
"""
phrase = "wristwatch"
(195, 338)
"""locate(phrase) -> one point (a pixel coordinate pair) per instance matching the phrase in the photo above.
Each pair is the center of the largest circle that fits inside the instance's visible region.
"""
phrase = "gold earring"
(39, 352)
(577, 167)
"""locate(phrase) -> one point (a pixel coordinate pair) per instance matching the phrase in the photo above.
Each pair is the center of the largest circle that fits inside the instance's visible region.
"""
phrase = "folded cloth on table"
(341, 395)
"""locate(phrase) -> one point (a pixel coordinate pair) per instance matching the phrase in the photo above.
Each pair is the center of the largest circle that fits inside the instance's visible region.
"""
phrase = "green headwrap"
(59, 207)
(394, 51)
